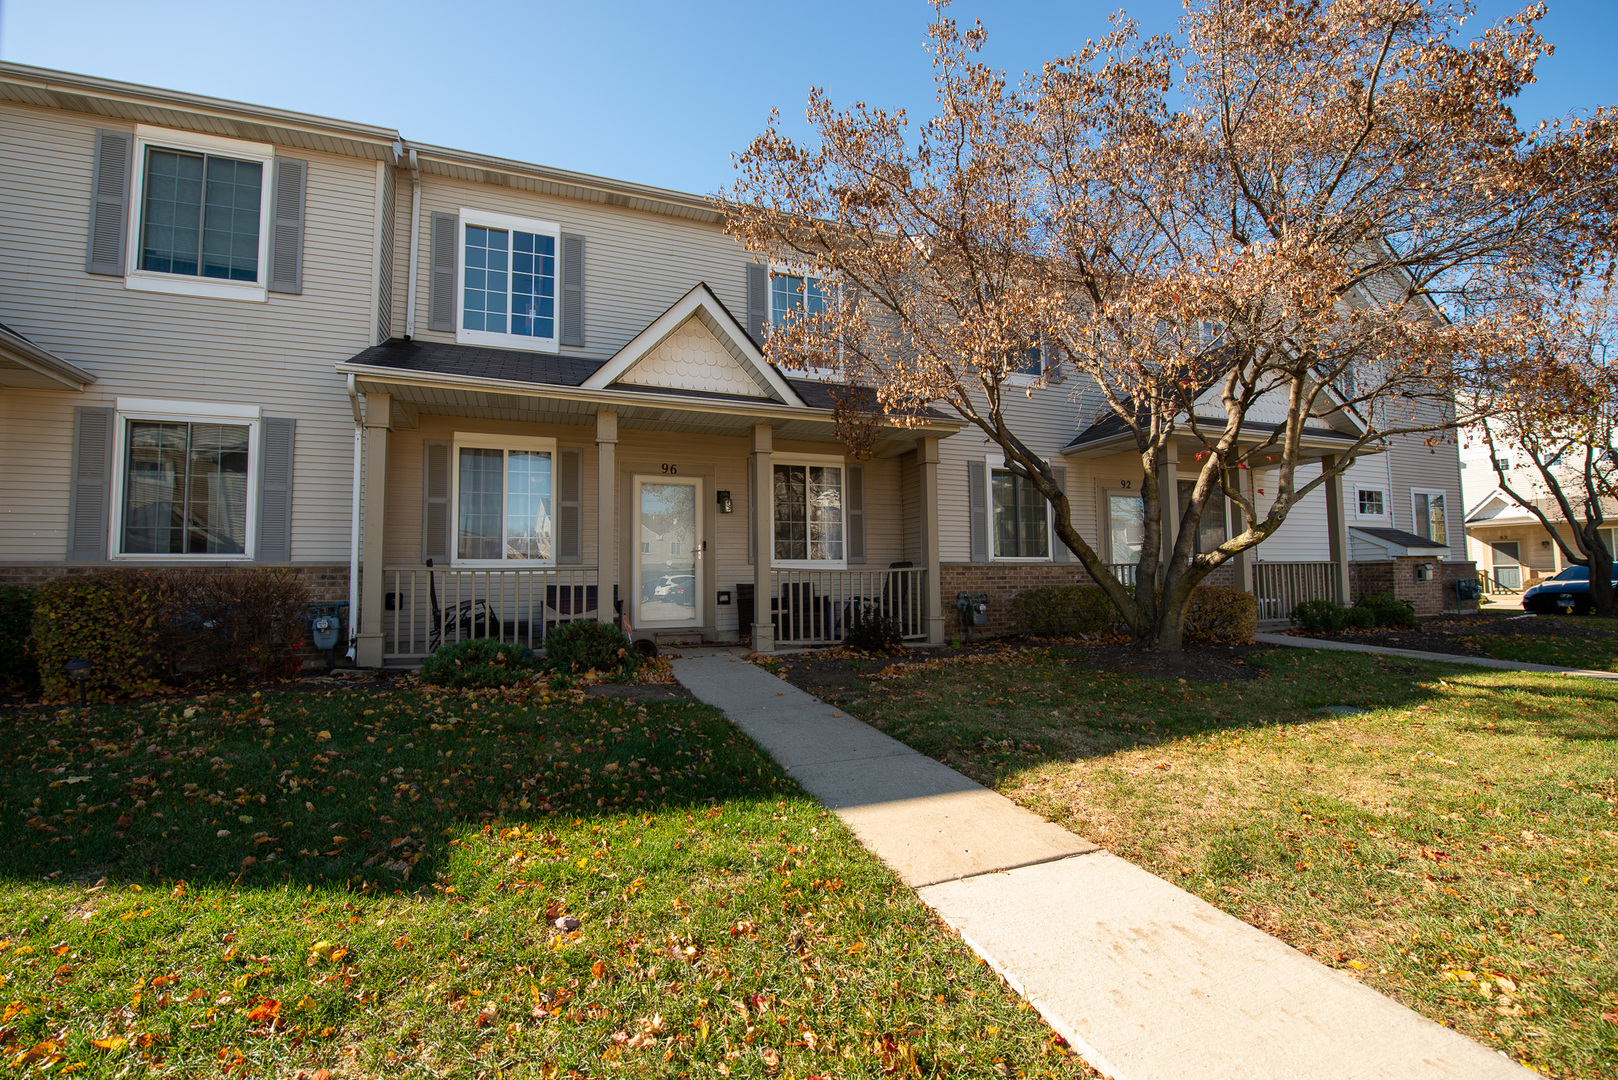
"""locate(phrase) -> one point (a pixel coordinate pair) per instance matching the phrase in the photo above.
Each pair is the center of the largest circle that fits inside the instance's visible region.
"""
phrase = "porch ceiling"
(656, 411)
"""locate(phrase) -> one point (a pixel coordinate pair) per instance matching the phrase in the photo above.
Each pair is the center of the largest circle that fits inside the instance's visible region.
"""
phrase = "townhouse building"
(477, 396)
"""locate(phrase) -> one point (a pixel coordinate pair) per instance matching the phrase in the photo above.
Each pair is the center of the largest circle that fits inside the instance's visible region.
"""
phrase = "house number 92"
(670, 470)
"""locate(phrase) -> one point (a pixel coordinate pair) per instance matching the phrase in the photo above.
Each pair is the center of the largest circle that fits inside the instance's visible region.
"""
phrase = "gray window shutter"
(569, 506)
(573, 289)
(109, 203)
(286, 233)
(758, 301)
(977, 501)
(752, 514)
(854, 506)
(435, 525)
(1059, 551)
(91, 485)
(446, 247)
(275, 489)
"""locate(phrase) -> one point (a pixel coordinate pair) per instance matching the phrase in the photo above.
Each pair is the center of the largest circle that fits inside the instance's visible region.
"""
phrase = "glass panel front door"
(667, 553)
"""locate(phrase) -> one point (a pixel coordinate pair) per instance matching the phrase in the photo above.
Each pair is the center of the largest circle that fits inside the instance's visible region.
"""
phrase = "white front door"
(668, 544)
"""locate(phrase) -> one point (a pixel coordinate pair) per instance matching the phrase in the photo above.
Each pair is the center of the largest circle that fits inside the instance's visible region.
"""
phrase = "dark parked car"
(1567, 591)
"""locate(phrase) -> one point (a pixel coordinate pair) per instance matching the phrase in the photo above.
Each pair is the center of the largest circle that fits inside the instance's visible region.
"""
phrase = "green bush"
(586, 645)
(1060, 610)
(869, 630)
(1388, 610)
(1359, 618)
(1221, 616)
(18, 674)
(1319, 617)
(113, 619)
(234, 623)
(479, 664)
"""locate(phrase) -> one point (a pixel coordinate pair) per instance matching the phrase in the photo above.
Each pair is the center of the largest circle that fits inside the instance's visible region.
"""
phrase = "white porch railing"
(818, 607)
(1282, 586)
(1125, 572)
(425, 607)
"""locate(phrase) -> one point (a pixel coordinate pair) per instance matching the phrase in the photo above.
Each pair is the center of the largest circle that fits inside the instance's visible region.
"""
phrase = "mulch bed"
(1455, 634)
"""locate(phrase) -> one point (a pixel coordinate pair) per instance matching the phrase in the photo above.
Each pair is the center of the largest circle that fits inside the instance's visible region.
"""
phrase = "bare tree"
(1311, 180)
(1552, 398)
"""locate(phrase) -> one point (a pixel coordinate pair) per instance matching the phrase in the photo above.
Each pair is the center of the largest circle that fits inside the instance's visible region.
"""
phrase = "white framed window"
(1019, 516)
(184, 481)
(795, 291)
(806, 512)
(1026, 365)
(507, 295)
(199, 215)
(503, 494)
(1370, 503)
(1429, 510)
(1502, 461)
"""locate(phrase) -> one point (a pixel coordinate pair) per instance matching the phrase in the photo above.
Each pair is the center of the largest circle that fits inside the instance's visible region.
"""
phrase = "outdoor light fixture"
(725, 505)
(78, 670)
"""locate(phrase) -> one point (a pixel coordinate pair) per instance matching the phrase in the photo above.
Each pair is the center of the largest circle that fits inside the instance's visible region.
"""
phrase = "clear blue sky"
(656, 92)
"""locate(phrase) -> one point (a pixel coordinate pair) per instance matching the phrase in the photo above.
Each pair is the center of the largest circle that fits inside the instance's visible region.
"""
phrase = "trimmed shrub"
(1060, 610)
(113, 619)
(1359, 618)
(1221, 616)
(1389, 610)
(234, 624)
(1318, 617)
(869, 630)
(479, 664)
(18, 675)
(586, 645)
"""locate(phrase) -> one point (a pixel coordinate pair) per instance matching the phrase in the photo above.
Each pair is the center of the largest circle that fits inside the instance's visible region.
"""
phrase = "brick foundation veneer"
(328, 583)
(1434, 596)
(1003, 581)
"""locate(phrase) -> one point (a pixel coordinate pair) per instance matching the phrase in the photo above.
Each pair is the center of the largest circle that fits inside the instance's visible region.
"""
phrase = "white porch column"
(763, 548)
(932, 587)
(1336, 532)
(369, 642)
(606, 513)
(1242, 565)
(1168, 494)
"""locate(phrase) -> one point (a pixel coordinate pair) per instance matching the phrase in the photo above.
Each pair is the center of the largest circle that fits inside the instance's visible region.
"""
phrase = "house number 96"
(670, 470)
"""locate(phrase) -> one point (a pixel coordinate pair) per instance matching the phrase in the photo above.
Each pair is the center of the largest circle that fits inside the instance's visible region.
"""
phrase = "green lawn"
(1453, 846)
(370, 882)
(1597, 654)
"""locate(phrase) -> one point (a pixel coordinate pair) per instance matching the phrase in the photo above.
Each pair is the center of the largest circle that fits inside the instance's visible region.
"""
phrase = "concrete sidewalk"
(1415, 654)
(1144, 980)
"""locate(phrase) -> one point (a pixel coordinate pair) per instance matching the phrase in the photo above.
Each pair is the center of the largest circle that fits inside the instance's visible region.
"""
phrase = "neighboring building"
(238, 336)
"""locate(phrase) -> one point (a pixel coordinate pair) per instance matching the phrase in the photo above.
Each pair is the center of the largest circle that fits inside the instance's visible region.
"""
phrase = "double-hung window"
(797, 295)
(508, 288)
(201, 212)
(807, 513)
(504, 499)
(1021, 529)
(1430, 520)
(185, 481)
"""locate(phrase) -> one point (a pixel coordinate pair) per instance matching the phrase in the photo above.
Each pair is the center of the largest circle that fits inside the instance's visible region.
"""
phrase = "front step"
(677, 639)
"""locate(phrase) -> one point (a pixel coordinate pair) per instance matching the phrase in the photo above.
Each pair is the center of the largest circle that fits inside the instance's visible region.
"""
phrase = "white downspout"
(415, 247)
(354, 523)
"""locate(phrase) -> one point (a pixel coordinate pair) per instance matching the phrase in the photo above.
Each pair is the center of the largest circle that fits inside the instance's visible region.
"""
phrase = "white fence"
(425, 607)
(819, 607)
(1282, 586)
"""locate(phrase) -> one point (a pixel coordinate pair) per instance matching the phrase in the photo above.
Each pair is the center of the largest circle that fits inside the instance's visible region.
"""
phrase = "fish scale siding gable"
(278, 354)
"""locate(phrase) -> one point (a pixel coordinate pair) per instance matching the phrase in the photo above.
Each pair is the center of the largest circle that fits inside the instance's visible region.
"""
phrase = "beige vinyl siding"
(1303, 536)
(1417, 466)
(635, 264)
(721, 464)
(278, 354)
(36, 445)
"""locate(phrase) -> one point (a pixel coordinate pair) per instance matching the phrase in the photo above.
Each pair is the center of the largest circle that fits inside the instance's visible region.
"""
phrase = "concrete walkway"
(1415, 654)
(1143, 979)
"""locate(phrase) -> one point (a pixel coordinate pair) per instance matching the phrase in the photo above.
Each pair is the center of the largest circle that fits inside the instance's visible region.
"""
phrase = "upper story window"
(200, 215)
(797, 294)
(1028, 362)
(503, 499)
(508, 281)
(1021, 528)
(807, 512)
(1371, 503)
(1431, 519)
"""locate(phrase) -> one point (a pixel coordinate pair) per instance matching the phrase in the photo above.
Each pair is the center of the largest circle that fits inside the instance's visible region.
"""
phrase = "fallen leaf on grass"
(112, 1044)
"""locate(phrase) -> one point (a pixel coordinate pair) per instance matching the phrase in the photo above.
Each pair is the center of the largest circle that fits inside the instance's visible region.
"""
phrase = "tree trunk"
(1603, 599)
